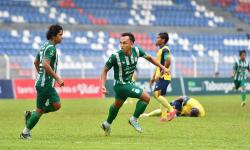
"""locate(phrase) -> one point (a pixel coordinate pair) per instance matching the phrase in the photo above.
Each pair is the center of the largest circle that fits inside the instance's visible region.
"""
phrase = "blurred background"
(205, 35)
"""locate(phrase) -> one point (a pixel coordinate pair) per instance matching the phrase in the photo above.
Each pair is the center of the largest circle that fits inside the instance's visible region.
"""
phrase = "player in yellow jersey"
(163, 80)
(185, 106)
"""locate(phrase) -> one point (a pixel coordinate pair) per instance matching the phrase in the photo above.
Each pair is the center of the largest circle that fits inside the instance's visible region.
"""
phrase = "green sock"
(48, 109)
(243, 96)
(140, 108)
(113, 111)
(34, 118)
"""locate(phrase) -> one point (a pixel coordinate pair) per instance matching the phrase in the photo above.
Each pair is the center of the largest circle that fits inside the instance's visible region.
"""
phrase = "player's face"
(125, 43)
(243, 56)
(59, 37)
(159, 41)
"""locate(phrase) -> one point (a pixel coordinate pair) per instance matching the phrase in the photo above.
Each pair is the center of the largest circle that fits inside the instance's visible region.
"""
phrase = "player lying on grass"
(184, 106)
(124, 64)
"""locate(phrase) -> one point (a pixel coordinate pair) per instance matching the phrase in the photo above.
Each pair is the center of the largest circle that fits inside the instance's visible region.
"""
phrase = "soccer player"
(240, 69)
(163, 80)
(47, 99)
(124, 64)
(185, 106)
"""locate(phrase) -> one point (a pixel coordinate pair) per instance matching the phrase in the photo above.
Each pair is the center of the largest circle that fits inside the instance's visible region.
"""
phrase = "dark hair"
(53, 31)
(130, 35)
(194, 112)
(242, 51)
(164, 35)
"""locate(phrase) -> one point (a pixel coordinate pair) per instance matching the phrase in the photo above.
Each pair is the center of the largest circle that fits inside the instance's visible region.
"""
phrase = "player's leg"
(141, 106)
(159, 94)
(144, 98)
(243, 93)
(120, 97)
(113, 111)
(156, 112)
(35, 115)
(53, 103)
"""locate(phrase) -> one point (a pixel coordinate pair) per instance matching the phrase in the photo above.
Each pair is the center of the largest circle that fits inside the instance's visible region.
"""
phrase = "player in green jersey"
(240, 69)
(124, 64)
(47, 99)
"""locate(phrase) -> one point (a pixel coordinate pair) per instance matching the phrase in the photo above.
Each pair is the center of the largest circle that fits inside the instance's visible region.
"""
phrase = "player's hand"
(165, 71)
(104, 90)
(60, 82)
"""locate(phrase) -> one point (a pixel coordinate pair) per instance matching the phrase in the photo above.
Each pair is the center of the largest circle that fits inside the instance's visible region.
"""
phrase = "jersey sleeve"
(50, 53)
(142, 52)
(111, 61)
(166, 54)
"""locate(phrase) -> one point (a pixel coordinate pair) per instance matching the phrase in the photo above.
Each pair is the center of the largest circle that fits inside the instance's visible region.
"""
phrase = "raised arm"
(156, 63)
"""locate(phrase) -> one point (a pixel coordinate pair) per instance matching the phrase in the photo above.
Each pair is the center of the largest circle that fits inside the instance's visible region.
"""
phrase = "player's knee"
(118, 104)
(57, 106)
(156, 94)
(146, 98)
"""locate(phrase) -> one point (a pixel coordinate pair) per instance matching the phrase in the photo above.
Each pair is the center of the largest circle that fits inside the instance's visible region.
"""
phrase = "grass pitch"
(77, 126)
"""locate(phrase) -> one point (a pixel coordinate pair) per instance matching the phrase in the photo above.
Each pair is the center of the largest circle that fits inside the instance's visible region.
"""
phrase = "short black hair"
(130, 35)
(164, 35)
(242, 51)
(194, 112)
(53, 31)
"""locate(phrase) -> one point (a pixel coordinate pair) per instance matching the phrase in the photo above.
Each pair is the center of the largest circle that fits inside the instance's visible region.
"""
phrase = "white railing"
(86, 67)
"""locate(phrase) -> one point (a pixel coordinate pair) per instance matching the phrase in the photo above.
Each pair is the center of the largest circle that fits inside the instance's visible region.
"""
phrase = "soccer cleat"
(243, 104)
(171, 115)
(134, 123)
(27, 115)
(106, 129)
(25, 136)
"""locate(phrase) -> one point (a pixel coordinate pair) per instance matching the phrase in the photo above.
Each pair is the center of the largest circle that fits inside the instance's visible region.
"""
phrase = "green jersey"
(48, 51)
(124, 66)
(241, 67)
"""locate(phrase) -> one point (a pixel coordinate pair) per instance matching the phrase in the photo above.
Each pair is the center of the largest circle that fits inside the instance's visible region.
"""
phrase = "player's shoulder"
(166, 49)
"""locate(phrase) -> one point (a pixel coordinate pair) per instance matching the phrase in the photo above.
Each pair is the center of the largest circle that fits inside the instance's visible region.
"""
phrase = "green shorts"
(239, 84)
(45, 94)
(123, 91)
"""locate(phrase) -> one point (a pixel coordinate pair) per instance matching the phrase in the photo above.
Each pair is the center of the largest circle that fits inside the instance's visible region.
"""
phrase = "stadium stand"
(83, 53)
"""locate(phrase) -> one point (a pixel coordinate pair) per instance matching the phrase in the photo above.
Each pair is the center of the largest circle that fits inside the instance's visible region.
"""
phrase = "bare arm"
(103, 79)
(36, 63)
(168, 63)
(156, 63)
(152, 80)
(48, 69)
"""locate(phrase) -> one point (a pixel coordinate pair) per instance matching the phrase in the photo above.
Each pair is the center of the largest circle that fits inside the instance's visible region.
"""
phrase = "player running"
(240, 68)
(163, 80)
(185, 106)
(47, 99)
(124, 64)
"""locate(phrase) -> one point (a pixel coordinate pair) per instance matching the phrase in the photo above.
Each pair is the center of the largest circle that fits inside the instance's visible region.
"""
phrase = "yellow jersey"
(162, 55)
(193, 103)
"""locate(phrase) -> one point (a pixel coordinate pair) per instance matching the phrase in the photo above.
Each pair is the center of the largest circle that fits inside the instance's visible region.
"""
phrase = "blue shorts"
(162, 85)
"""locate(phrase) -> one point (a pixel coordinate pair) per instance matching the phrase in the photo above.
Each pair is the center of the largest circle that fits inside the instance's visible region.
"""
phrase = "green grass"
(77, 126)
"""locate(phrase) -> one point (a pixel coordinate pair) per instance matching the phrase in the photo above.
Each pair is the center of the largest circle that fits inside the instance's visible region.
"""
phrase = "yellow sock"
(163, 112)
(165, 103)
